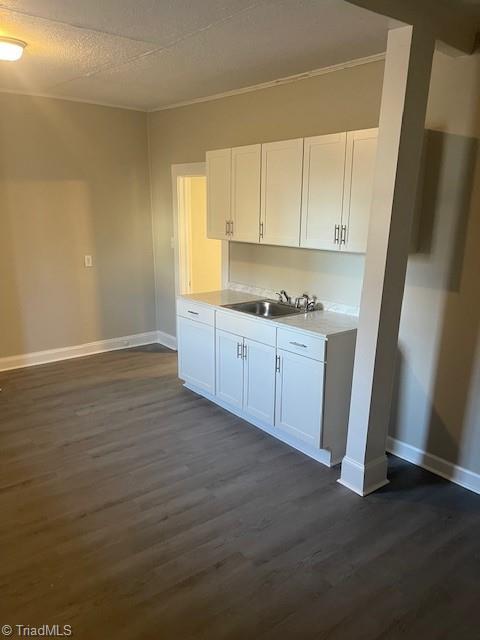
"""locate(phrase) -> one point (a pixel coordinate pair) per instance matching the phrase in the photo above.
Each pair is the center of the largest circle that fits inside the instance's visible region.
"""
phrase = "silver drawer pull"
(299, 344)
(336, 235)
(194, 313)
(277, 364)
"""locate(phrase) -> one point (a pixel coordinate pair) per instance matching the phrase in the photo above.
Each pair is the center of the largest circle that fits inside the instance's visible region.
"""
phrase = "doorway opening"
(201, 263)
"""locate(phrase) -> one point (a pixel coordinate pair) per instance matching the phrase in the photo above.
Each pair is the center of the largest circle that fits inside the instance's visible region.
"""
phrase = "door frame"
(181, 227)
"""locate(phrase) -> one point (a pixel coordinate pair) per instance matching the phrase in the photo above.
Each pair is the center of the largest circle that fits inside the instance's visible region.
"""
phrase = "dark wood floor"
(131, 508)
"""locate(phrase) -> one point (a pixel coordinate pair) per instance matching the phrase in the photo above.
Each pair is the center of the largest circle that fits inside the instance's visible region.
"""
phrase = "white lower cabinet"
(259, 381)
(295, 385)
(196, 349)
(245, 375)
(229, 368)
(299, 397)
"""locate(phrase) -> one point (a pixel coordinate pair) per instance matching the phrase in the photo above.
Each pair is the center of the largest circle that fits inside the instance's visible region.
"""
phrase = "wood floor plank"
(133, 509)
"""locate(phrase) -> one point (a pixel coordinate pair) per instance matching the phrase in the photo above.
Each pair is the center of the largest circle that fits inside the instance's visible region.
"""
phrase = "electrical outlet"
(88, 261)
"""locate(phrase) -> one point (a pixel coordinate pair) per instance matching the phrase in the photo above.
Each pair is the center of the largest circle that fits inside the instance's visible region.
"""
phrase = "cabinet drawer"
(246, 327)
(302, 343)
(195, 311)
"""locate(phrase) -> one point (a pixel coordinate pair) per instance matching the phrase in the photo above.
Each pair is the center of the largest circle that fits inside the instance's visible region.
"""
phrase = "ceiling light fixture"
(11, 49)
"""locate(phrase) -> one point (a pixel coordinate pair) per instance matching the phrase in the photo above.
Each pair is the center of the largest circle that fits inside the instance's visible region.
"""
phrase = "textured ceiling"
(148, 54)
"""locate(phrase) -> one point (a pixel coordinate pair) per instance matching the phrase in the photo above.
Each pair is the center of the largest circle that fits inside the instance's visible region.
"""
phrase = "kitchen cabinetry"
(219, 170)
(245, 371)
(337, 190)
(281, 192)
(233, 193)
(323, 185)
(229, 368)
(361, 154)
(245, 202)
(196, 348)
(299, 397)
(293, 384)
(314, 193)
(259, 381)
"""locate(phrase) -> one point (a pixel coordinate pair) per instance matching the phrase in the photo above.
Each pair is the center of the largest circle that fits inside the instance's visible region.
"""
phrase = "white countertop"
(324, 323)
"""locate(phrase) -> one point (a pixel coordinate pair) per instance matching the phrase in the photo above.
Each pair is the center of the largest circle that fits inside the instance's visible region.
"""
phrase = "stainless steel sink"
(264, 308)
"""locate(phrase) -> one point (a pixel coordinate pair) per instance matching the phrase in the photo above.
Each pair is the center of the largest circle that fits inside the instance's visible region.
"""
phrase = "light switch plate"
(88, 261)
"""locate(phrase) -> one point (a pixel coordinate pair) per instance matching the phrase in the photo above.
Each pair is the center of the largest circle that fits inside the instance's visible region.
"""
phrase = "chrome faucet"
(306, 302)
(312, 303)
(284, 297)
(302, 301)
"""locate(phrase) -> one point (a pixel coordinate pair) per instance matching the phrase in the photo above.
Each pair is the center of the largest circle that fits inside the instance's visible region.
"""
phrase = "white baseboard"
(448, 470)
(167, 340)
(78, 351)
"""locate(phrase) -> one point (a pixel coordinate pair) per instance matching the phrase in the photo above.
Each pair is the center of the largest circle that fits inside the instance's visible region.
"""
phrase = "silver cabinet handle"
(336, 236)
(299, 344)
(194, 313)
(261, 229)
(343, 237)
(244, 351)
(231, 227)
(277, 364)
(239, 350)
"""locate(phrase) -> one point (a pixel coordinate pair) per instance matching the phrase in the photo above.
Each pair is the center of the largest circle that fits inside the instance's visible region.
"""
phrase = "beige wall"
(340, 101)
(206, 254)
(73, 181)
(437, 406)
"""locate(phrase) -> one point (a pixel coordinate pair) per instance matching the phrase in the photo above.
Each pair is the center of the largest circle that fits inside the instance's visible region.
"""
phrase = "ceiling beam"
(451, 25)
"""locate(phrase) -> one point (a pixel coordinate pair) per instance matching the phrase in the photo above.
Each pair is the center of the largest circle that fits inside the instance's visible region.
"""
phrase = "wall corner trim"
(448, 470)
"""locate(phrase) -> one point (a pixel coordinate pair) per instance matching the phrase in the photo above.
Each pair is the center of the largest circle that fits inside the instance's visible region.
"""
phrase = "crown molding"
(275, 83)
(217, 96)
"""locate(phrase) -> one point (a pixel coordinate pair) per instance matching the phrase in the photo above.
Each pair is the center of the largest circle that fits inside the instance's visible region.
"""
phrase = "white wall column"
(401, 130)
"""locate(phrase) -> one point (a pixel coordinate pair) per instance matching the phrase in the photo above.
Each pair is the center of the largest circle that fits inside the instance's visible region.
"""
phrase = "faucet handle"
(284, 297)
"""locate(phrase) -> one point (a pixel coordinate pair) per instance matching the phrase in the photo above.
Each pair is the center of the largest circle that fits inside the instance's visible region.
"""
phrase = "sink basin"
(264, 308)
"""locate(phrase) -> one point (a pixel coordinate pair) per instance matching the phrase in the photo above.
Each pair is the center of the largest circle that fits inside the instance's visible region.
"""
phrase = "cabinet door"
(246, 193)
(218, 193)
(357, 200)
(259, 381)
(229, 368)
(281, 192)
(196, 353)
(299, 397)
(323, 176)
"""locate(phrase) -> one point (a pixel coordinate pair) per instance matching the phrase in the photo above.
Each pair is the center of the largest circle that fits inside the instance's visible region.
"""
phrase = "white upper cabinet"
(314, 193)
(219, 168)
(323, 178)
(281, 192)
(357, 199)
(245, 207)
